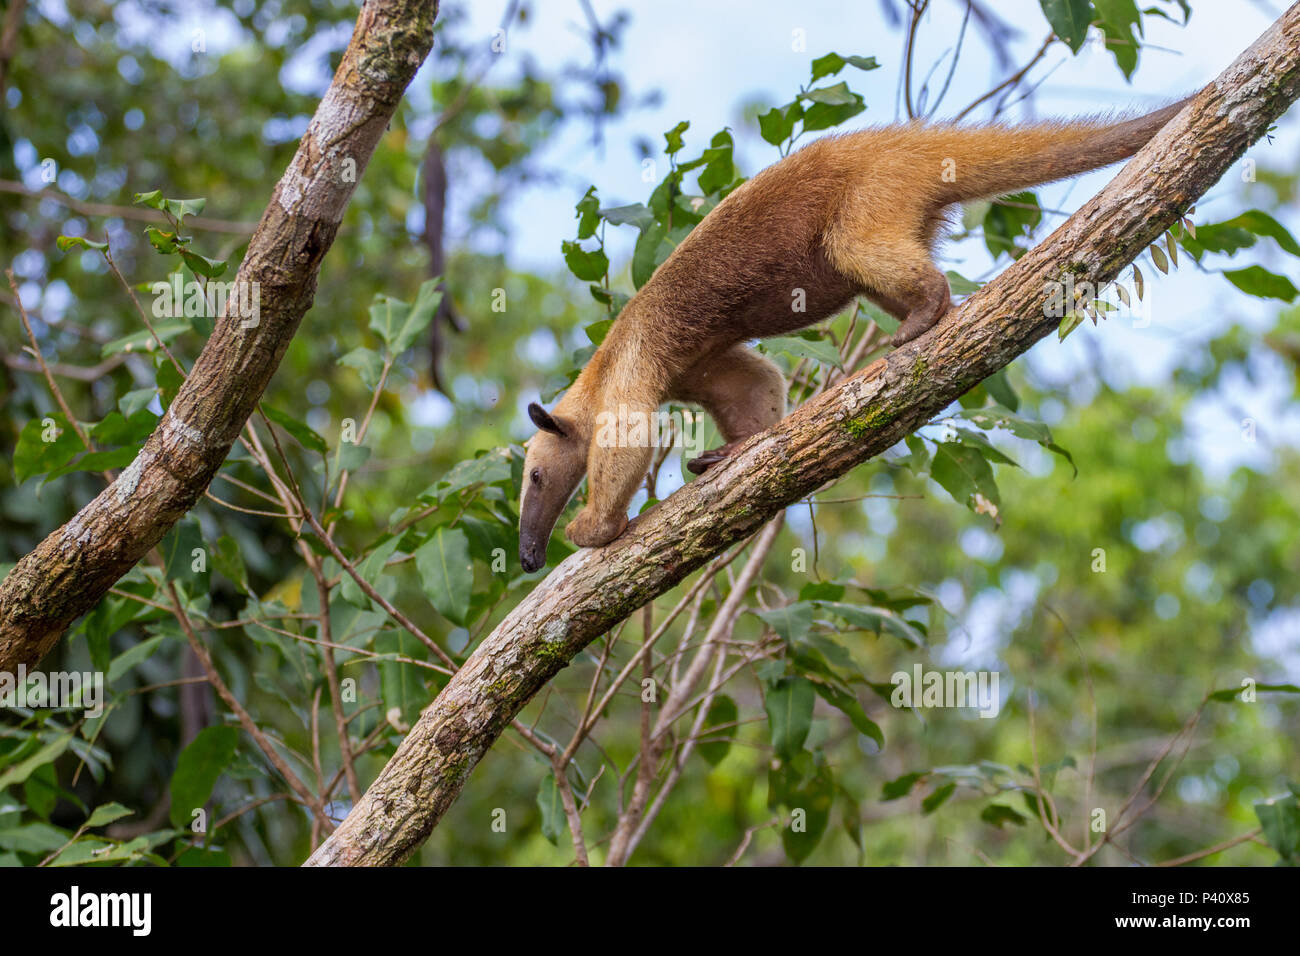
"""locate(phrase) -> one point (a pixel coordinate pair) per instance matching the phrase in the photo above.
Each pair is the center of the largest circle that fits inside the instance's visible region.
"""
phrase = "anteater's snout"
(531, 557)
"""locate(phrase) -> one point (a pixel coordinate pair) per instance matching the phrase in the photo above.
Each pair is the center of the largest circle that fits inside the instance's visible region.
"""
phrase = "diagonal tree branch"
(73, 567)
(868, 413)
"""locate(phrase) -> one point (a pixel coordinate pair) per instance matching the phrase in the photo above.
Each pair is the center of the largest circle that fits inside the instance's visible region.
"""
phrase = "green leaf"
(178, 547)
(106, 814)
(720, 169)
(652, 248)
(44, 444)
(117, 429)
(822, 115)
(588, 209)
(777, 124)
(960, 285)
(428, 298)
(998, 814)
(399, 324)
(876, 619)
(308, 438)
(228, 561)
(999, 388)
(1280, 820)
(153, 199)
(827, 65)
(722, 713)
(370, 568)
(133, 655)
(368, 363)
(918, 456)
(938, 798)
(94, 850)
(445, 569)
(96, 461)
(674, 137)
(351, 456)
(1069, 20)
(588, 266)
(597, 331)
(832, 63)
(41, 790)
(791, 622)
(849, 705)
(551, 805)
(144, 341)
(180, 208)
(821, 591)
(965, 474)
(24, 768)
(1008, 219)
(837, 95)
(817, 350)
(611, 298)
(1240, 232)
(1258, 281)
(815, 797)
(197, 856)
(133, 401)
(491, 467)
(168, 380)
(976, 440)
(995, 416)
(202, 265)
(64, 243)
(33, 838)
(886, 322)
(1118, 18)
(401, 685)
(789, 707)
(1229, 694)
(862, 62)
(387, 316)
(197, 770)
(165, 242)
(635, 214)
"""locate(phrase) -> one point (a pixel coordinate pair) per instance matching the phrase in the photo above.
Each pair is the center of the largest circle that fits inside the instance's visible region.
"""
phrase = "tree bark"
(869, 412)
(72, 568)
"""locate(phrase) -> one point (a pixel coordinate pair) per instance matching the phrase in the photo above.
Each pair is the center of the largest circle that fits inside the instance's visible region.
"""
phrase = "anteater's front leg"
(616, 465)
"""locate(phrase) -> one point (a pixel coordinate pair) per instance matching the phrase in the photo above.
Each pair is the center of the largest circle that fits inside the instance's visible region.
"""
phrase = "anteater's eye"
(536, 476)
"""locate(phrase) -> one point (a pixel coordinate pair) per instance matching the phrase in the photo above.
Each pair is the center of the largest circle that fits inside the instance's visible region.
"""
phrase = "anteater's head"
(554, 464)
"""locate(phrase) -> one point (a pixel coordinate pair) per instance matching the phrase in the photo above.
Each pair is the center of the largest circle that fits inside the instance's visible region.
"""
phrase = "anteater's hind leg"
(900, 278)
(743, 392)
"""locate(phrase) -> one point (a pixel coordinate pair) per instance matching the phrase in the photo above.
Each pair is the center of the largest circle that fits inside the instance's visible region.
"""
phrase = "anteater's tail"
(995, 159)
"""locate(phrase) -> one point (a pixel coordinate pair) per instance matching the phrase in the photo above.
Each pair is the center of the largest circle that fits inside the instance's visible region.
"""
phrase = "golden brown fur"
(848, 215)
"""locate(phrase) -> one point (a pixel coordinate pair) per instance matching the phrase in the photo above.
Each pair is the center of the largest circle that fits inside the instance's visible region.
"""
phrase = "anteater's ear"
(543, 420)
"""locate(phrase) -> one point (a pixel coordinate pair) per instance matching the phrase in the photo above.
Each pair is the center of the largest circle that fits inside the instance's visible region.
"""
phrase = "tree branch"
(71, 569)
(866, 414)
